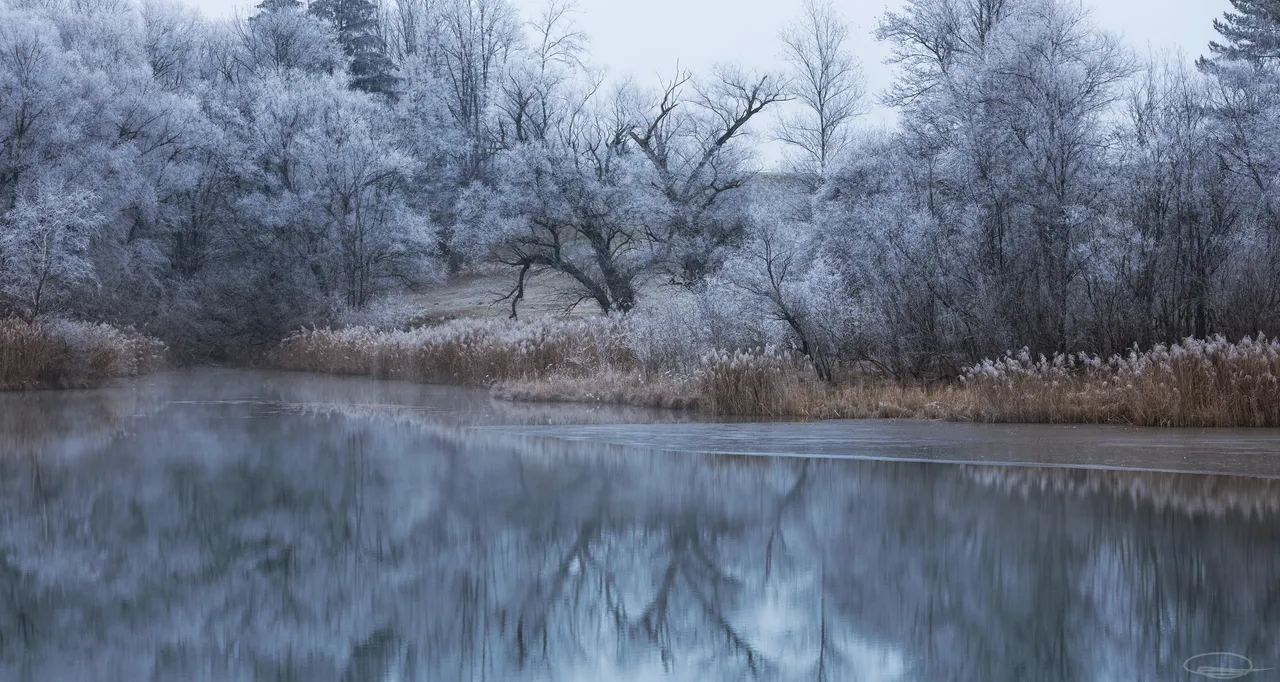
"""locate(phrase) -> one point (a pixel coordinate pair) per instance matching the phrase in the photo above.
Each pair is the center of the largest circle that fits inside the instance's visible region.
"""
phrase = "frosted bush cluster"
(383, 313)
(672, 332)
(104, 350)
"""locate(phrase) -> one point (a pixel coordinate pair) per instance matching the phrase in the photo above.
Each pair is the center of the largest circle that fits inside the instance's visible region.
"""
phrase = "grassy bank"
(1194, 383)
(67, 354)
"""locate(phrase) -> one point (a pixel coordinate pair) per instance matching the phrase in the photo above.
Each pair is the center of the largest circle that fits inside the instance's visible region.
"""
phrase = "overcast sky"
(647, 38)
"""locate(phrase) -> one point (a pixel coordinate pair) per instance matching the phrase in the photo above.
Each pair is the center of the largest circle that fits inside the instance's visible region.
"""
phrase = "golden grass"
(609, 387)
(1194, 383)
(766, 383)
(1200, 383)
(29, 356)
(65, 354)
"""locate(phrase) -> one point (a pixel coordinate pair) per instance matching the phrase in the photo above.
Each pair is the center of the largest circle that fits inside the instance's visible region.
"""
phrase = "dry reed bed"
(1210, 382)
(771, 382)
(68, 354)
(470, 351)
(1201, 383)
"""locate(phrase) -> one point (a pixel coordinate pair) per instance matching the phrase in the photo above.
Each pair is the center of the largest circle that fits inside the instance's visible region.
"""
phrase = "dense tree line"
(1047, 188)
(219, 183)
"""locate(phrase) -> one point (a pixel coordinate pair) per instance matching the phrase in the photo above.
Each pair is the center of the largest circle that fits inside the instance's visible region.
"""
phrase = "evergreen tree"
(277, 5)
(356, 22)
(1251, 33)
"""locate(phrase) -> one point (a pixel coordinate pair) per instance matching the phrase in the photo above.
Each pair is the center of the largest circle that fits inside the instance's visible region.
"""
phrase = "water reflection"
(252, 537)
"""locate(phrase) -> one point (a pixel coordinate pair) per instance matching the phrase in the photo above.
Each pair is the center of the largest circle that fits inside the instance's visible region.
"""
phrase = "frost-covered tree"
(426, 132)
(619, 189)
(927, 305)
(1006, 103)
(783, 271)
(172, 34)
(356, 176)
(36, 83)
(692, 133)
(44, 247)
(412, 28)
(827, 83)
(1183, 205)
(330, 200)
(1245, 101)
(580, 203)
(1251, 33)
(282, 39)
(928, 37)
(539, 86)
(477, 38)
(84, 109)
(1062, 75)
(356, 23)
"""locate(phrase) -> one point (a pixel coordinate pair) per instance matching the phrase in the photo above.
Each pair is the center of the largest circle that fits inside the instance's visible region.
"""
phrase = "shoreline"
(1194, 383)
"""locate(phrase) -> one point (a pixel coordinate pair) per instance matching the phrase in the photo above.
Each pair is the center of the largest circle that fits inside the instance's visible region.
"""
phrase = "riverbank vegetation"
(220, 184)
(66, 354)
(610, 360)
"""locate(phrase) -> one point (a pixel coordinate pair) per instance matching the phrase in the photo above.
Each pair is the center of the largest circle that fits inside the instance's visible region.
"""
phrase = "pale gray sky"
(646, 38)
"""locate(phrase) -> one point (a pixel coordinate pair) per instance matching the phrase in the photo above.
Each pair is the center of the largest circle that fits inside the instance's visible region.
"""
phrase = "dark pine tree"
(277, 5)
(1250, 34)
(356, 22)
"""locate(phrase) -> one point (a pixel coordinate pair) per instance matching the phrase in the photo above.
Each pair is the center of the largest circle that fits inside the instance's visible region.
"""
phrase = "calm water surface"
(221, 525)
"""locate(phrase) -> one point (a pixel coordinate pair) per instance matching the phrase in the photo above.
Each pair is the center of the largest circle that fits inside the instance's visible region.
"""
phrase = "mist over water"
(262, 526)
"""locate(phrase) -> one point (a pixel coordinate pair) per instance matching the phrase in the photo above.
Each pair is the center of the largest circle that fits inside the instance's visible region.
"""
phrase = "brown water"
(225, 525)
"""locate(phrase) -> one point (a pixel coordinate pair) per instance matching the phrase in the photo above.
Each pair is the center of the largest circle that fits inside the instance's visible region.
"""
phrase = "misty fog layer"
(241, 526)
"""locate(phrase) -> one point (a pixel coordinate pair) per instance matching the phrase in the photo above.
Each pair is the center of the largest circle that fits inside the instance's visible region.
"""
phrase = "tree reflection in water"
(241, 541)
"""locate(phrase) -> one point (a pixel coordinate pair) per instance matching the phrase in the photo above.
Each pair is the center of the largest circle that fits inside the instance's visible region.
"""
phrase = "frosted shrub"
(668, 333)
(100, 351)
(381, 313)
(783, 273)
(672, 333)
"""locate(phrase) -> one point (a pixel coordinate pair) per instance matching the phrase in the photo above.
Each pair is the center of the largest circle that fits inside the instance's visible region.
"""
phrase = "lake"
(235, 525)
